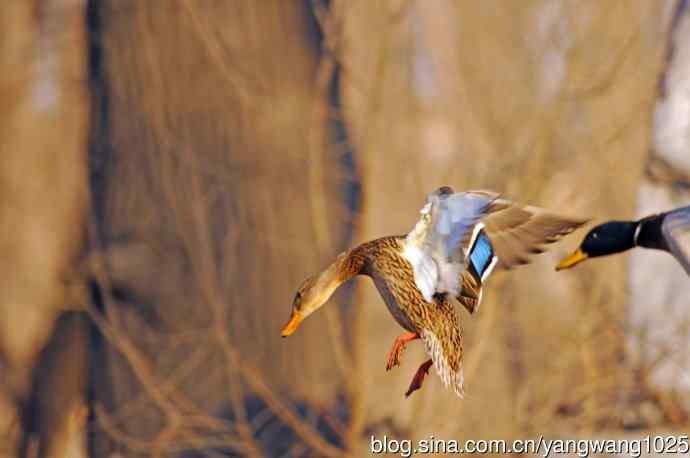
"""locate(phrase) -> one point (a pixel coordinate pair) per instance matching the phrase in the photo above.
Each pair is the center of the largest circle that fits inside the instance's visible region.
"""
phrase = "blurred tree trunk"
(43, 177)
(218, 192)
(659, 313)
(55, 415)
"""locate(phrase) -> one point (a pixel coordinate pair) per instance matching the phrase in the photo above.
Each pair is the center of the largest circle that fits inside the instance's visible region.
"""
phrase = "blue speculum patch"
(481, 253)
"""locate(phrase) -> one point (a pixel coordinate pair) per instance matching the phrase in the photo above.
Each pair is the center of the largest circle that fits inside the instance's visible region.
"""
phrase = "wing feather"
(438, 237)
(471, 293)
(519, 231)
(458, 214)
(439, 244)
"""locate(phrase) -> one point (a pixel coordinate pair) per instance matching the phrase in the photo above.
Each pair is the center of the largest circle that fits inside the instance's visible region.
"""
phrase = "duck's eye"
(595, 236)
(298, 296)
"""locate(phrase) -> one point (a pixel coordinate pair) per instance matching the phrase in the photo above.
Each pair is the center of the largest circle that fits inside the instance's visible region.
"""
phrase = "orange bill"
(577, 257)
(295, 320)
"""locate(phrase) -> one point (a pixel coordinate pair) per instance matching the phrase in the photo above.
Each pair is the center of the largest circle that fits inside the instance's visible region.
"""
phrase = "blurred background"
(171, 171)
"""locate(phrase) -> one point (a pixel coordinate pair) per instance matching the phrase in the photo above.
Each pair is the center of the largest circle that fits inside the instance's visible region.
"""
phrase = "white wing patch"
(449, 377)
(489, 269)
(425, 270)
(475, 232)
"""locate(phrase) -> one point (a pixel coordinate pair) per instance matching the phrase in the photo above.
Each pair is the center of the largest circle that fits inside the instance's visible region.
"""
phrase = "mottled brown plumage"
(436, 323)
(404, 267)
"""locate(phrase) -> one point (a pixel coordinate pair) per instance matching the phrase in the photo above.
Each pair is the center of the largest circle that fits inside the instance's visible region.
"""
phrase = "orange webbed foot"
(419, 377)
(395, 355)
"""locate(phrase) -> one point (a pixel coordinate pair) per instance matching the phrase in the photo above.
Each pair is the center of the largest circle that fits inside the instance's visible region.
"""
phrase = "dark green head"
(604, 239)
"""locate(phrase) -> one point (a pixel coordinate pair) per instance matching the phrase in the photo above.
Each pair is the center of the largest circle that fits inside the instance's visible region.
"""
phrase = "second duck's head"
(604, 239)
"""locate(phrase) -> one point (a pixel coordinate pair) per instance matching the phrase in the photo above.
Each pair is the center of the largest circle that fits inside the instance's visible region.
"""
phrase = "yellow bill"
(577, 257)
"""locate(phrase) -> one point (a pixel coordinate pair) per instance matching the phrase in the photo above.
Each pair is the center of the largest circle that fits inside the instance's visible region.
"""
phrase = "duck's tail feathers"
(449, 369)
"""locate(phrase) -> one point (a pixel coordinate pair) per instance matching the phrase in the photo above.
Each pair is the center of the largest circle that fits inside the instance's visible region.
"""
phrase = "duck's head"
(310, 296)
(604, 239)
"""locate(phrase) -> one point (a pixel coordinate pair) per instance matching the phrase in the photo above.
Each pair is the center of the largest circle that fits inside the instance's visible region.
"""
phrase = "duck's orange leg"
(418, 379)
(398, 346)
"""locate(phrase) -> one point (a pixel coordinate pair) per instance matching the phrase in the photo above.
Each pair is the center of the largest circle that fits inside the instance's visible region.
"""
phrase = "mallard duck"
(668, 231)
(450, 253)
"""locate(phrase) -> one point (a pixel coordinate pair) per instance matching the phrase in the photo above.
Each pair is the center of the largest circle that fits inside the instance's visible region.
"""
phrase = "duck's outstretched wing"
(517, 231)
(506, 236)
(462, 236)
(676, 230)
(434, 246)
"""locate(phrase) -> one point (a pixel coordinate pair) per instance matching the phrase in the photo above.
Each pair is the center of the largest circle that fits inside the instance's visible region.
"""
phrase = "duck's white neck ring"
(636, 234)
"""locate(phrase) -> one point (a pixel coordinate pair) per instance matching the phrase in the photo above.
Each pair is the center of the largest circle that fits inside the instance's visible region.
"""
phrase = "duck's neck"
(345, 266)
(648, 233)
